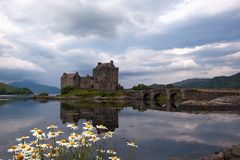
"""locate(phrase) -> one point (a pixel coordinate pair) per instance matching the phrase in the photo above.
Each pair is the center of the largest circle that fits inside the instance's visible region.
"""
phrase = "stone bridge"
(183, 94)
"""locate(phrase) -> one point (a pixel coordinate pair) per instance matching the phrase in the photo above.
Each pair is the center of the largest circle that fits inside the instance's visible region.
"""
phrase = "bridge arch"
(173, 98)
(146, 96)
(156, 96)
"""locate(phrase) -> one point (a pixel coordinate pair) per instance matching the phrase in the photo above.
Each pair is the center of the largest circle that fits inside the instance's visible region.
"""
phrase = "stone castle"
(105, 77)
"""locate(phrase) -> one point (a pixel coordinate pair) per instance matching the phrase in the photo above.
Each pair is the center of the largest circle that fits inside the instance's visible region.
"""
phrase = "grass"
(94, 93)
(162, 99)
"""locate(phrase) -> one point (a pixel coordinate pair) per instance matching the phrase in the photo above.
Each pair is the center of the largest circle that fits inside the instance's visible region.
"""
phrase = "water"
(160, 134)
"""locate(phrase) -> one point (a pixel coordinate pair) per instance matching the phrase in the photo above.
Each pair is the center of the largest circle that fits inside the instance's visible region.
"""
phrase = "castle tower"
(105, 76)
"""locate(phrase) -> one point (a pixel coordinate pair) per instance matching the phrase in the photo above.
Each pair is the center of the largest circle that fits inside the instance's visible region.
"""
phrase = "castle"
(105, 77)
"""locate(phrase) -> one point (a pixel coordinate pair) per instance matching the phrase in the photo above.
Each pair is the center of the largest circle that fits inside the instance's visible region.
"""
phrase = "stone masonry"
(105, 77)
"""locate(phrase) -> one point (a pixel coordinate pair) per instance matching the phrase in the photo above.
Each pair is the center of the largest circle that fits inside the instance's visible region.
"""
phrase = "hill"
(216, 82)
(35, 87)
(9, 90)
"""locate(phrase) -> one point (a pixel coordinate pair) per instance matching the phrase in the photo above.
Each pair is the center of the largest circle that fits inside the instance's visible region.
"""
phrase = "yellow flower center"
(48, 145)
(14, 147)
(23, 146)
(52, 133)
(29, 149)
(34, 142)
(71, 143)
(34, 156)
(40, 132)
(63, 141)
(20, 157)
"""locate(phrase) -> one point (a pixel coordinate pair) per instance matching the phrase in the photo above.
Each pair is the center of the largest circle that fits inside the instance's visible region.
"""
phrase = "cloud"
(191, 9)
(150, 41)
(12, 63)
(82, 18)
(12, 69)
(183, 64)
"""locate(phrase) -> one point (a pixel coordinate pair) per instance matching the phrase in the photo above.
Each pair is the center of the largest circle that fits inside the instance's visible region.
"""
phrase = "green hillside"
(9, 90)
(216, 82)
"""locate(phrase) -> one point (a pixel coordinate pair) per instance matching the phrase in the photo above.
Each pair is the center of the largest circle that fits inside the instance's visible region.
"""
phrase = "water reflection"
(72, 112)
(161, 132)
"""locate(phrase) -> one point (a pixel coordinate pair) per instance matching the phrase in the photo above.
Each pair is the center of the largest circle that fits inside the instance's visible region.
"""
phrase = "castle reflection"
(98, 113)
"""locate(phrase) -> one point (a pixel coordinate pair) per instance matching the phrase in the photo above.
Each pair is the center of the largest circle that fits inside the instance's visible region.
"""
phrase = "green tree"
(140, 87)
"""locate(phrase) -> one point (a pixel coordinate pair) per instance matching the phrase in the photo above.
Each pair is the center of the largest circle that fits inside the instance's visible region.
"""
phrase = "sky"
(150, 41)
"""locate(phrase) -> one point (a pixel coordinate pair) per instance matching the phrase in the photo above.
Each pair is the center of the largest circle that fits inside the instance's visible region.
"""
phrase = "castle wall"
(105, 78)
(86, 83)
(70, 81)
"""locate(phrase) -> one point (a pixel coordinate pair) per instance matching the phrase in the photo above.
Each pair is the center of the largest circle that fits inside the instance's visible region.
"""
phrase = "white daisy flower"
(52, 126)
(111, 152)
(114, 158)
(132, 144)
(101, 127)
(108, 134)
(72, 126)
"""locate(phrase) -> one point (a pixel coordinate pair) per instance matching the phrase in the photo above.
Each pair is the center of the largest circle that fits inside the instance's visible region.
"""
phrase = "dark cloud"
(87, 21)
(75, 18)
(16, 75)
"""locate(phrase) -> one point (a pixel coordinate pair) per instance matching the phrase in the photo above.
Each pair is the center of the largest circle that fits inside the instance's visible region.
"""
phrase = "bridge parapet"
(206, 94)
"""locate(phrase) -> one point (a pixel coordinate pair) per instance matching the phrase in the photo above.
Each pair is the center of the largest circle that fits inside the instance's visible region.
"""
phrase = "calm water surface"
(159, 134)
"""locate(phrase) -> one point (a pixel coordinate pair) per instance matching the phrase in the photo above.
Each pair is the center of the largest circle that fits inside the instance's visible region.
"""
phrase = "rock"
(229, 102)
(232, 153)
(236, 151)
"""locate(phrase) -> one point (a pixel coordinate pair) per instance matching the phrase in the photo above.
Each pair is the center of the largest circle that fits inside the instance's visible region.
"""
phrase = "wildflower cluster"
(51, 144)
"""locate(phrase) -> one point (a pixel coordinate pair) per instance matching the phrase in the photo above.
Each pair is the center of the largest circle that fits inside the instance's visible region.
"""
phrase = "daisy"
(72, 144)
(52, 126)
(62, 142)
(22, 138)
(88, 127)
(101, 151)
(111, 152)
(74, 136)
(13, 149)
(114, 158)
(87, 123)
(132, 144)
(34, 130)
(94, 138)
(88, 133)
(20, 156)
(108, 134)
(72, 126)
(52, 134)
(39, 134)
(82, 141)
(101, 127)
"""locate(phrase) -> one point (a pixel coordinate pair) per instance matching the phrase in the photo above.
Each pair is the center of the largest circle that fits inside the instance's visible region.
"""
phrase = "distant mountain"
(216, 82)
(35, 87)
(192, 83)
(9, 90)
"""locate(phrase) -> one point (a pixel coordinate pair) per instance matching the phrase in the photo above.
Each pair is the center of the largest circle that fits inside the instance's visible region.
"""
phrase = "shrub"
(67, 89)
(140, 87)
